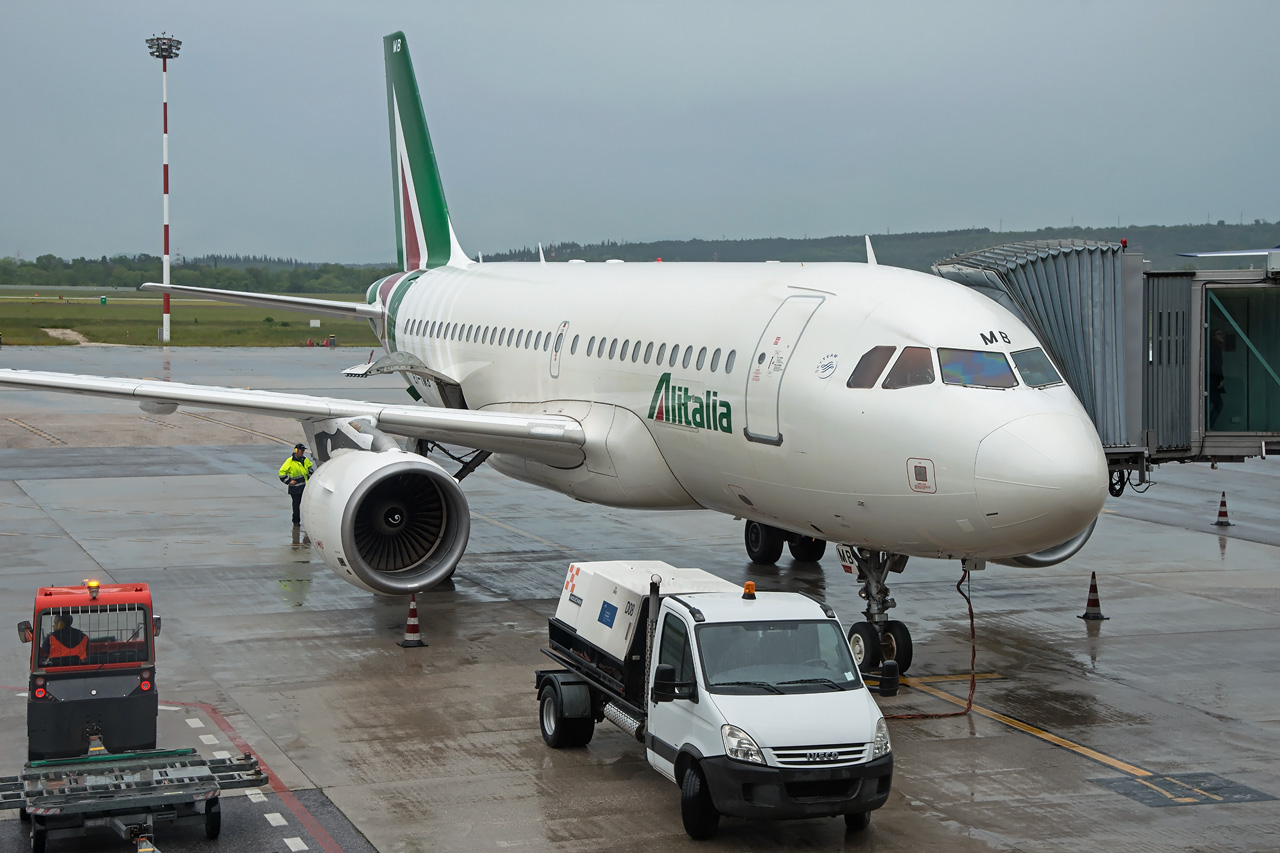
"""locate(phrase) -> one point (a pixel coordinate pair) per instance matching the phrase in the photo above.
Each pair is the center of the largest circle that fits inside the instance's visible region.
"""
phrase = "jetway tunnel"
(1172, 366)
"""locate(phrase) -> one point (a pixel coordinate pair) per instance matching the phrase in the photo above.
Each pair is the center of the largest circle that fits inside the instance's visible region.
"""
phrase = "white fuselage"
(930, 470)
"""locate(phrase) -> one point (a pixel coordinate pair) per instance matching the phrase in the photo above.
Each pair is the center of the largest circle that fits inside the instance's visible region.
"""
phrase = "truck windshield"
(93, 636)
(776, 657)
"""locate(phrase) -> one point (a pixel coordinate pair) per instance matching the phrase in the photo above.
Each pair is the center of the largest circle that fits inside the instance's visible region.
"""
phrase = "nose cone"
(1041, 479)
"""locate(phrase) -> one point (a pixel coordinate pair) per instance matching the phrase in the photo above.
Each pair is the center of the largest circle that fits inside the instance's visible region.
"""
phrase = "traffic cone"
(1222, 521)
(412, 636)
(1093, 609)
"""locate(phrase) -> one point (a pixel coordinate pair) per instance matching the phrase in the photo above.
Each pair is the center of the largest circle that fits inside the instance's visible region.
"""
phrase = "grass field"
(135, 318)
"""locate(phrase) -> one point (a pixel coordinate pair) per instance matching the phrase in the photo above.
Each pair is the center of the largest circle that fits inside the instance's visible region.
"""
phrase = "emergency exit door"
(769, 364)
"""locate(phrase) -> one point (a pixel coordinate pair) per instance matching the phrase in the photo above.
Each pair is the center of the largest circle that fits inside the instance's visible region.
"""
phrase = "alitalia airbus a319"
(891, 412)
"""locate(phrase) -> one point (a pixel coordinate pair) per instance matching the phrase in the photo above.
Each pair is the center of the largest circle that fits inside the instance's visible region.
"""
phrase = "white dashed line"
(276, 819)
(222, 754)
(170, 708)
(256, 796)
(296, 844)
(194, 723)
(208, 739)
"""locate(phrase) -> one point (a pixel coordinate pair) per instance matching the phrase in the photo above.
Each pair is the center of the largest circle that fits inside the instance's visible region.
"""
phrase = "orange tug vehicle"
(92, 710)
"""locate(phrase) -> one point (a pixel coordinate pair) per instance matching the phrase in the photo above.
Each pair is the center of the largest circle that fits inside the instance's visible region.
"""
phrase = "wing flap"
(552, 439)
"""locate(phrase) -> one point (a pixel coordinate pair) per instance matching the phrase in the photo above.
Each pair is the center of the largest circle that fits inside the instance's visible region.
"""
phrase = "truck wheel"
(857, 821)
(764, 543)
(864, 642)
(806, 549)
(701, 820)
(559, 732)
(39, 837)
(212, 819)
(23, 814)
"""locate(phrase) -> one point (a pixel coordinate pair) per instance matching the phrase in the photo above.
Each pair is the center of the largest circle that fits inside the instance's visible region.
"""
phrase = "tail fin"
(424, 235)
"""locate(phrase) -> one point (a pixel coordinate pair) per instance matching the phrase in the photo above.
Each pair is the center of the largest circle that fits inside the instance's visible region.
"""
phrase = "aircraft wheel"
(895, 644)
(806, 549)
(864, 641)
(764, 543)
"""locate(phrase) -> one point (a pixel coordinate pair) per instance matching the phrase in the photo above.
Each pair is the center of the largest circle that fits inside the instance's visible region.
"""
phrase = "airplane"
(1237, 253)
(894, 413)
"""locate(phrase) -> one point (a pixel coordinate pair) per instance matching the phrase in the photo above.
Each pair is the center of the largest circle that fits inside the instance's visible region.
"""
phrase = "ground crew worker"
(65, 642)
(294, 473)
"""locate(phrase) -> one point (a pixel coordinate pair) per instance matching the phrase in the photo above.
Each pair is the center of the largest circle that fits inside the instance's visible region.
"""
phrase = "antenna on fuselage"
(871, 253)
(541, 258)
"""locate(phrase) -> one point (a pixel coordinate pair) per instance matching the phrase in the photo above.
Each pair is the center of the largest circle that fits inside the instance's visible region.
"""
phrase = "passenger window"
(613, 348)
(675, 353)
(635, 353)
(573, 347)
(975, 368)
(914, 367)
(648, 352)
(591, 345)
(546, 343)
(688, 354)
(528, 339)
(715, 360)
(520, 338)
(702, 357)
(559, 341)
(662, 353)
(625, 345)
(538, 343)
(870, 366)
(1035, 368)
(675, 649)
(728, 362)
(484, 338)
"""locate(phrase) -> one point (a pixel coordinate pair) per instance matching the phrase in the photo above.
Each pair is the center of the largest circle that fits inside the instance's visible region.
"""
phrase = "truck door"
(769, 363)
(672, 724)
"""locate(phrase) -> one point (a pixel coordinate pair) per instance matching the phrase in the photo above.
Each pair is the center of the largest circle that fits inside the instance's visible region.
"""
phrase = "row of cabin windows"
(539, 340)
(971, 368)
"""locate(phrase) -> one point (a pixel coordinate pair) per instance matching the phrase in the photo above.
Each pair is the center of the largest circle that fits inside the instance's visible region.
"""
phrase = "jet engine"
(1051, 556)
(389, 522)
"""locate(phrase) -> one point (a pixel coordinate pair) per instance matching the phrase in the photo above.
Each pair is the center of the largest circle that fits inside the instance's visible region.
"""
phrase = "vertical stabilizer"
(424, 235)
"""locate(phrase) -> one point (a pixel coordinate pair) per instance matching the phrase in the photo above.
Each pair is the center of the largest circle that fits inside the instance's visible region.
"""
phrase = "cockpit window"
(914, 367)
(975, 368)
(870, 366)
(1035, 368)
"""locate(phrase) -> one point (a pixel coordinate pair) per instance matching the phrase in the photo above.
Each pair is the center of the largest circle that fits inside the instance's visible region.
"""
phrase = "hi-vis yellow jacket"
(296, 469)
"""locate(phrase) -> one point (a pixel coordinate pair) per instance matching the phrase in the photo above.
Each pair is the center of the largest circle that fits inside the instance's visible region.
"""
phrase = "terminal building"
(1174, 366)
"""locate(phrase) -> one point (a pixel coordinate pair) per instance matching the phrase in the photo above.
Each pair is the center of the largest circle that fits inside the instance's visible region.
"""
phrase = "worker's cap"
(299, 446)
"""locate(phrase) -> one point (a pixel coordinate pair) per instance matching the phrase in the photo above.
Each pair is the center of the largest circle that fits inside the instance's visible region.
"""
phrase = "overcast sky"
(631, 121)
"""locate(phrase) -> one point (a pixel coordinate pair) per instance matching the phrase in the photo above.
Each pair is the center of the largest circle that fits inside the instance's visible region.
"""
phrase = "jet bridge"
(1171, 366)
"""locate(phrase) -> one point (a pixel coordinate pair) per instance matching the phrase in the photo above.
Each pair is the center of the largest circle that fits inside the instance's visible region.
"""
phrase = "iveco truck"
(749, 701)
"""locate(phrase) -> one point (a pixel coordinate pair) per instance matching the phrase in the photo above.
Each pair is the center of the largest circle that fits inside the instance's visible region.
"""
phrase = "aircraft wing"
(329, 307)
(552, 439)
(1242, 253)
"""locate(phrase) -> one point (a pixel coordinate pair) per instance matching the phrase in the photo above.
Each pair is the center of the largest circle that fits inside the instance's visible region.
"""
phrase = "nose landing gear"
(880, 638)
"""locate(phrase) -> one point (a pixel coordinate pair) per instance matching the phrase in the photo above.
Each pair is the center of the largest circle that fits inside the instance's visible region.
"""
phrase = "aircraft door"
(559, 343)
(769, 363)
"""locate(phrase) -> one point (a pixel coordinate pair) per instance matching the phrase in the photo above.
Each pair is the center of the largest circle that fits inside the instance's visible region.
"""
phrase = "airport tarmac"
(1157, 729)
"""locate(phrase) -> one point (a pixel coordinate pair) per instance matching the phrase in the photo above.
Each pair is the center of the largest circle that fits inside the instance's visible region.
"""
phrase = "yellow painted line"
(1034, 731)
(1176, 799)
(1193, 788)
(277, 439)
(506, 526)
(10, 534)
(932, 679)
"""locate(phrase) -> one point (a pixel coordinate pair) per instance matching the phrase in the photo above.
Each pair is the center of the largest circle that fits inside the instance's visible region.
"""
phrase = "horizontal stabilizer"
(1242, 253)
(301, 304)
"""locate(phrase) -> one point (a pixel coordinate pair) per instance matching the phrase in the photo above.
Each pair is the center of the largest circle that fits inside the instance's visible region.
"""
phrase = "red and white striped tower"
(165, 47)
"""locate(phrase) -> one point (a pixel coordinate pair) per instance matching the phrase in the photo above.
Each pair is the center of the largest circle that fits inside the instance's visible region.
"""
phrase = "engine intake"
(1051, 556)
(391, 522)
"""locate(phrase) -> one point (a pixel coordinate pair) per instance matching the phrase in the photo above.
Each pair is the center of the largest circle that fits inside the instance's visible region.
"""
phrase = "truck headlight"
(881, 745)
(739, 745)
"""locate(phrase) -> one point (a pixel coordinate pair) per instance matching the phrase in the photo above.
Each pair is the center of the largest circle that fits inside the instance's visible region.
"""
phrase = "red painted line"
(166, 114)
(166, 238)
(166, 178)
(286, 796)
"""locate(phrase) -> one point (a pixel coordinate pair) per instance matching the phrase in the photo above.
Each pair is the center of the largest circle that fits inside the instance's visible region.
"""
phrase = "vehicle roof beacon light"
(93, 588)
(749, 590)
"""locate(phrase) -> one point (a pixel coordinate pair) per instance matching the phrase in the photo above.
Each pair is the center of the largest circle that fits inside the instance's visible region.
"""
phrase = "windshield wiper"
(814, 681)
(766, 685)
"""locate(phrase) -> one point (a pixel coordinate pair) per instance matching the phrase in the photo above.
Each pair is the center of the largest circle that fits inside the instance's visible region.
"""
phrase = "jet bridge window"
(870, 366)
(975, 368)
(913, 367)
(1035, 368)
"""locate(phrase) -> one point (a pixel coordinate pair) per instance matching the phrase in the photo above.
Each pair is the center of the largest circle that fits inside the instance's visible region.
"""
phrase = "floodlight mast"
(165, 47)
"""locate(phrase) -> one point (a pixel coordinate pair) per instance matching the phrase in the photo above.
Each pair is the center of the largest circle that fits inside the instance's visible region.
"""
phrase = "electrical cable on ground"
(973, 659)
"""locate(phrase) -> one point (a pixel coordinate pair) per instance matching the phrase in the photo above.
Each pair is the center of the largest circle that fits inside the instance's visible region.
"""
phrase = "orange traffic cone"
(412, 636)
(1223, 521)
(1093, 609)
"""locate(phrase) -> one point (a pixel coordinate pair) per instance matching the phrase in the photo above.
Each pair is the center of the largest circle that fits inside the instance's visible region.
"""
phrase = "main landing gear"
(879, 638)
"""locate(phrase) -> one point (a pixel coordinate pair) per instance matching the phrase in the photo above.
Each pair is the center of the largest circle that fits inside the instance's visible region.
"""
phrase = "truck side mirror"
(664, 683)
(24, 631)
(155, 626)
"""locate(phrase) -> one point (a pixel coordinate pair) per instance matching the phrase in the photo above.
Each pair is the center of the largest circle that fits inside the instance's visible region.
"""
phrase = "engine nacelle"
(1051, 556)
(391, 522)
